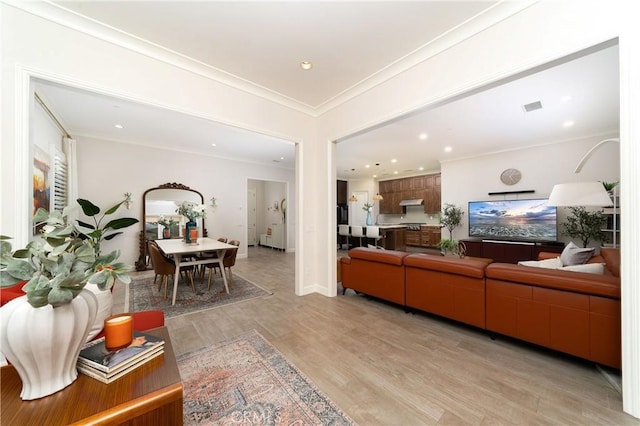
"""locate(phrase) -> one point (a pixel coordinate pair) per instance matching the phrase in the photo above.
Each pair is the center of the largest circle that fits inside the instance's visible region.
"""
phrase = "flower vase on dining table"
(166, 233)
(369, 219)
(189, 226)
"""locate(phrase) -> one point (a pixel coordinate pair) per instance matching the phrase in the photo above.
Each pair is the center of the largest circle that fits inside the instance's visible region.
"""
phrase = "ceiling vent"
(532, 106)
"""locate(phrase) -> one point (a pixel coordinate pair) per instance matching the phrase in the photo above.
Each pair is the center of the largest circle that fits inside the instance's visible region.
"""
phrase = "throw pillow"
(590, 268)
(105, 302)
(553, 263)
(574, 255)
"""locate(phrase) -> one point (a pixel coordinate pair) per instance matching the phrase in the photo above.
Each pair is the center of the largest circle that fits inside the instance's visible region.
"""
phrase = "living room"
(314, 242)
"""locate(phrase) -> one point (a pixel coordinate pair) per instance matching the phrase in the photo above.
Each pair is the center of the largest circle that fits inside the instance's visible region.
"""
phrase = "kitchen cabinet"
(426, 187)
(413, 238)
(392, 238)
(430, 236)
(341, 191)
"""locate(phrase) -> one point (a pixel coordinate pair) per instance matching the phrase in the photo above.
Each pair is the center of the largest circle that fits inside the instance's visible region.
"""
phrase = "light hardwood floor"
(383, 366)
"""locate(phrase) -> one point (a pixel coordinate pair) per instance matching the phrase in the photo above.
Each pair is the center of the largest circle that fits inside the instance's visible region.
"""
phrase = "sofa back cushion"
(451, 265)
(391, 257)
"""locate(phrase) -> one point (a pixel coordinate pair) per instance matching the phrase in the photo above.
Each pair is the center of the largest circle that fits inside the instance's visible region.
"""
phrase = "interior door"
(251, 217)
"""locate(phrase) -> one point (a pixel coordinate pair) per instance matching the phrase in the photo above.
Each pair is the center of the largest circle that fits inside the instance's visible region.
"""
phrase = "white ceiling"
(352, 45)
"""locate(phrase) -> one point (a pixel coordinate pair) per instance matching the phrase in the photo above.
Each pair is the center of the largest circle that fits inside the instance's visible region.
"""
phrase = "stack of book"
(104, 365)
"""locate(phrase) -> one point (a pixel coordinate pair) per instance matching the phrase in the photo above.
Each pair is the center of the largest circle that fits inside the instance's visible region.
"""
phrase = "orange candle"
(118, 331)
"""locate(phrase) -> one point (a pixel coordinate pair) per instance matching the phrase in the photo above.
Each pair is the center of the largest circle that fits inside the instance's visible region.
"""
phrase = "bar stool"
(373, 232)
(358, 232)
(343, 231)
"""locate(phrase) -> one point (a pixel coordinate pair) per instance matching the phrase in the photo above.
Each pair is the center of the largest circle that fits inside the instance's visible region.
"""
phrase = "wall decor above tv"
(529, 220)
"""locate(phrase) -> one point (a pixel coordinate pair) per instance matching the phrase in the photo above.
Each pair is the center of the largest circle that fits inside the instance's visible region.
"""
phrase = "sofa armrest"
(391, 257)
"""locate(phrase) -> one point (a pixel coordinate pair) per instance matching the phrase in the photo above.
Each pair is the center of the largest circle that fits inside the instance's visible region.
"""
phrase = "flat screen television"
(513, 220)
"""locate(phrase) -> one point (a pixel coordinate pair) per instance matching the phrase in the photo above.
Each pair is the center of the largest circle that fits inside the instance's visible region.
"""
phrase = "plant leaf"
(85, 224)
(120, 223)
(88, 208)
(114, 208)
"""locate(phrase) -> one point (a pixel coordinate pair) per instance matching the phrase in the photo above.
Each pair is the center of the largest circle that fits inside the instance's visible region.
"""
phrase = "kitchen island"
(392, 237)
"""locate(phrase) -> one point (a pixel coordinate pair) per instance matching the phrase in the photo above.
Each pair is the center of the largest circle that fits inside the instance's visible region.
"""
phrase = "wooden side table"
(150, 394)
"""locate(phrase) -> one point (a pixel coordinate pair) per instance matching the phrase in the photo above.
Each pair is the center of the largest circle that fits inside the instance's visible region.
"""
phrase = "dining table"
(184, 254)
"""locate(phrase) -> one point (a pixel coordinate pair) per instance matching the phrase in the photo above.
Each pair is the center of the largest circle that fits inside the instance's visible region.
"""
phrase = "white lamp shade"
(579, 194)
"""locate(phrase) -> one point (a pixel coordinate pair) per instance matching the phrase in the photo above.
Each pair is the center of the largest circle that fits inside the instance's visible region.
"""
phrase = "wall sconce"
(378, 197)
(213, 202)
(127, 200)
(353, 198)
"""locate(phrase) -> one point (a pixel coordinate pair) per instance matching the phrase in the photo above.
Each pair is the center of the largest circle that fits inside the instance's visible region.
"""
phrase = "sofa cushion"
(553, 263)
(589, 268)
(574, 255)
(611, 257)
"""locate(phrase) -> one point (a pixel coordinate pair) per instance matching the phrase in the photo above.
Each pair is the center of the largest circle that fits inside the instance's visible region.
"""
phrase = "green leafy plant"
(451, 218)
(584, 225)
(97, 232)
(167, 223)
(608, 186)
(59, 263)
(191, 210)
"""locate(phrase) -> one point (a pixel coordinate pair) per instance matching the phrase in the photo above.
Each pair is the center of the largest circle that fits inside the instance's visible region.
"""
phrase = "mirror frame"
(143, 259)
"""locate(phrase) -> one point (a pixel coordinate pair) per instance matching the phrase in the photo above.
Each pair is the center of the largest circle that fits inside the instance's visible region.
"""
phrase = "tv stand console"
(510, 251)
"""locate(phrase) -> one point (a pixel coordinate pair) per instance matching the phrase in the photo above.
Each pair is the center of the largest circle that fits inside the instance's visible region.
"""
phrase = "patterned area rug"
(145, 295)
(247, 381)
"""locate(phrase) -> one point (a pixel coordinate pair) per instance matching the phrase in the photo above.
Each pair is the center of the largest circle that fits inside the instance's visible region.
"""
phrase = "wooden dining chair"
(209, 255)
(165, 268)
(228, 261)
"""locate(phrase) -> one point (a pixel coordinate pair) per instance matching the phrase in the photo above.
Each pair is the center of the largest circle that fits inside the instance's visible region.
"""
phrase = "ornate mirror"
(161, 203)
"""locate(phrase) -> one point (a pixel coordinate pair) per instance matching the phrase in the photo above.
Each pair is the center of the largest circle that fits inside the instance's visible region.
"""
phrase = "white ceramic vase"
(43, 343)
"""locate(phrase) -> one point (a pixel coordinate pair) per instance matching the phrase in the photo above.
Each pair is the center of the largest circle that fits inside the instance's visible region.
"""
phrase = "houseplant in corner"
(42, 332)
(451, 218)
(584, 225)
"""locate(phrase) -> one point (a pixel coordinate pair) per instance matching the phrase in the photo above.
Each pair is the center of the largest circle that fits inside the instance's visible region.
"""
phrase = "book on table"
(95, 356)
(116, 374)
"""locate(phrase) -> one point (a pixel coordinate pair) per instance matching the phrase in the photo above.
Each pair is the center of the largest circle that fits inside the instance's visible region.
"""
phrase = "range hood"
(416, 202)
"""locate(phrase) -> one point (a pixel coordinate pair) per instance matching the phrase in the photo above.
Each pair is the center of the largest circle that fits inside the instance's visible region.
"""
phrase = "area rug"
(245, 380)
(144, 295)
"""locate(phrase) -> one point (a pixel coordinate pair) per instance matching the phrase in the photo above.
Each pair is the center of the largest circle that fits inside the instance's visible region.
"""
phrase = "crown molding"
(52, 12)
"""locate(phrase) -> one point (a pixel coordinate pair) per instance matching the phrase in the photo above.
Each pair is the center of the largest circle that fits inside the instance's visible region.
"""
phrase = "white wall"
(542, 167)
(108, 169)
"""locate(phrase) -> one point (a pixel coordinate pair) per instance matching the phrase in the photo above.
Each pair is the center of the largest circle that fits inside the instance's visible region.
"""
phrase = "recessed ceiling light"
(213, 144)
(567, 123)
(375, 176)
(421, 168)
(367, 166)
(393, 160)
(118, 126)
(395, 173)
(448, 149)
(306, 65)
(423, 136)
(282, 158)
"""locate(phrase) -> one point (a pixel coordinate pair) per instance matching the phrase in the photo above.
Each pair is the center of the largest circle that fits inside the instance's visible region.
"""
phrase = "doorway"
(266, 214)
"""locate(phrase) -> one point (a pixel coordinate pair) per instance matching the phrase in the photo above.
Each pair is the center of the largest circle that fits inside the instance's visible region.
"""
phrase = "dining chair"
(343, 231)
(373, 233)
(228, 262)
(358, 232)
(208, 255)
(164, 267)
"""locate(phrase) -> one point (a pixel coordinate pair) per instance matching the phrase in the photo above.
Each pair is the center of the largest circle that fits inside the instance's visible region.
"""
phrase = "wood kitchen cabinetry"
(392, 238)
(425, 187)
(430, 236)
(341, 191)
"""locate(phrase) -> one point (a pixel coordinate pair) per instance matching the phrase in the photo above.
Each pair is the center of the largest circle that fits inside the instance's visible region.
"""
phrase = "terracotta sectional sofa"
(573, 312)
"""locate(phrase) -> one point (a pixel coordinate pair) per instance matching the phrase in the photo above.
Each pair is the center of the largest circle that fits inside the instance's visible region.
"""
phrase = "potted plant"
(451, 218)
(57, 311)
(368, 208)
(609, 186)
(191, 211)
(166, 224)
(584, 225)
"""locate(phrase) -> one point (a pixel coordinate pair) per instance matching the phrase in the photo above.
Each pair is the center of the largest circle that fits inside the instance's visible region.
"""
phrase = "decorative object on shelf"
(585, 225)
(42, 332)
(368, 208)
(451, 218)
(510, 176)
(127, 200)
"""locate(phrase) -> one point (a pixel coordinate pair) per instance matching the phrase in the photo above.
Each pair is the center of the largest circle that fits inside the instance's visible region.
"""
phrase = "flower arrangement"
(167, 223)
(367, 207)
(192, 210)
